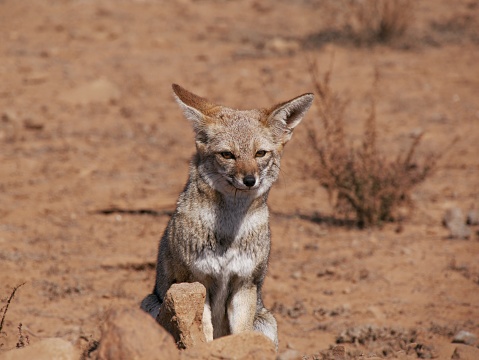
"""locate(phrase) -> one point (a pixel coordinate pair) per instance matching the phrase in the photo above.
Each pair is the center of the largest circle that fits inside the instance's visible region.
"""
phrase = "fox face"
(239, 151)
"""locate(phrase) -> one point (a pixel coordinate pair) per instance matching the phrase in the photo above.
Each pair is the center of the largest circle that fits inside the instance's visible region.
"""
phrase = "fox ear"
(290, 113)
(195, 108)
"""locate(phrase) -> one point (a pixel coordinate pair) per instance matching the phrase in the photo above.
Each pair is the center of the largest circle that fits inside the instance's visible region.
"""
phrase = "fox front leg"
(207, 322)
(242, 309)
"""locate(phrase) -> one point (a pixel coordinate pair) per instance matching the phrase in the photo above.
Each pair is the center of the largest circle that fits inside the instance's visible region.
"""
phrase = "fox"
(219, 234)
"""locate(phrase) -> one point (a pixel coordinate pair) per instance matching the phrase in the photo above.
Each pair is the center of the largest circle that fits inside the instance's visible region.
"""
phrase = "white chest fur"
(239, 230)
(231, 262)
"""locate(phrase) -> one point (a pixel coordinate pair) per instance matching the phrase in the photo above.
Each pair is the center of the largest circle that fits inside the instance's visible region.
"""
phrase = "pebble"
(473, 217)
(282, 46)
(455, 221)
(465, 337)
(297, 275)
(289, 354)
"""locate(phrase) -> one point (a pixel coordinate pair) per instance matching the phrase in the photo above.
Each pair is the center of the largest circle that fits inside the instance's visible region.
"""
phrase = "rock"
(31, 124)
(297, 275)
(465, 337)
(445, 350)
(131, 333)
(339, 352)
(465, 352)
(473, 217)
(9, 115)
(455, 221)
(289, 354)
(36, 78)
(46, 349)
(182, 312)
(282, 46)
(98, 91)
(246, 345)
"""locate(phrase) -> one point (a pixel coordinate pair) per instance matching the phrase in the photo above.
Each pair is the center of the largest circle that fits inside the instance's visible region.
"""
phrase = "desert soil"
(94, 152)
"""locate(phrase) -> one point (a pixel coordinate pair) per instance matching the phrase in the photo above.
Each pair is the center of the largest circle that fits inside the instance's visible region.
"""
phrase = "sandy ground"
(90, 136)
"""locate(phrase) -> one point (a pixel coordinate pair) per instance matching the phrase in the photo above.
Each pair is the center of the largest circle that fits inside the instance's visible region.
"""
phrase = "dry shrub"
(363, 23)
(359, 179)
(372, 21)
(23, 340)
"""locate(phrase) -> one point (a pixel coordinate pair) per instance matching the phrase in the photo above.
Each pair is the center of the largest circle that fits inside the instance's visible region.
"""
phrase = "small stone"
(31, 124)
(465, 337)
(45, 349)
(282, 46)
(9, 116)
(36, 78)
(455, 221)
(439, 118)
(473, 217)
(415, 133)
(289, 354)
(297, 275)
(339, 352)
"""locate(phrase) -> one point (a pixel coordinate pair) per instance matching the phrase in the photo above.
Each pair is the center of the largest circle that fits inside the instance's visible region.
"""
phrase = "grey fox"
(219, 234)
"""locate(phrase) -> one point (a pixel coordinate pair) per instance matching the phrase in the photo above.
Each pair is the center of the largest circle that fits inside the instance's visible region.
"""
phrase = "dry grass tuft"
(372, 21)
(360, 179)
(23, 340)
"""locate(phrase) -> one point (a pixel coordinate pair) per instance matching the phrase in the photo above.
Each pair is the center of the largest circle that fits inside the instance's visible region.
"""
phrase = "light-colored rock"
(283, 46)
(97, 91)
(246, 345)
(465, 337)
(130, 333)
(182, 312)
(9, 115)
(289, 354)
(46, 349)
(455, 221)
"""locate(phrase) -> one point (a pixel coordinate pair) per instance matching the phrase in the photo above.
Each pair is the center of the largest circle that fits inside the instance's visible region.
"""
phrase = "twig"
(5, 308)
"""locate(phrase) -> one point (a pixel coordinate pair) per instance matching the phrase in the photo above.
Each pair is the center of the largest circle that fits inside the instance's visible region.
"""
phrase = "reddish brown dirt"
(88, 123)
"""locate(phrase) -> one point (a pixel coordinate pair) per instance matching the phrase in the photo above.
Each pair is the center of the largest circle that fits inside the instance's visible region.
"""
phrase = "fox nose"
(249, 180)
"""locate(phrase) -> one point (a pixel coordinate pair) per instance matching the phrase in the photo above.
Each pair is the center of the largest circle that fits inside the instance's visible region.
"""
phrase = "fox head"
(239, 151)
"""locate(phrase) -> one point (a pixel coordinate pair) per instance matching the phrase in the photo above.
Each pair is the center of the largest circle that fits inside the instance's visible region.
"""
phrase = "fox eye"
(227, 155)
(260, 153)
